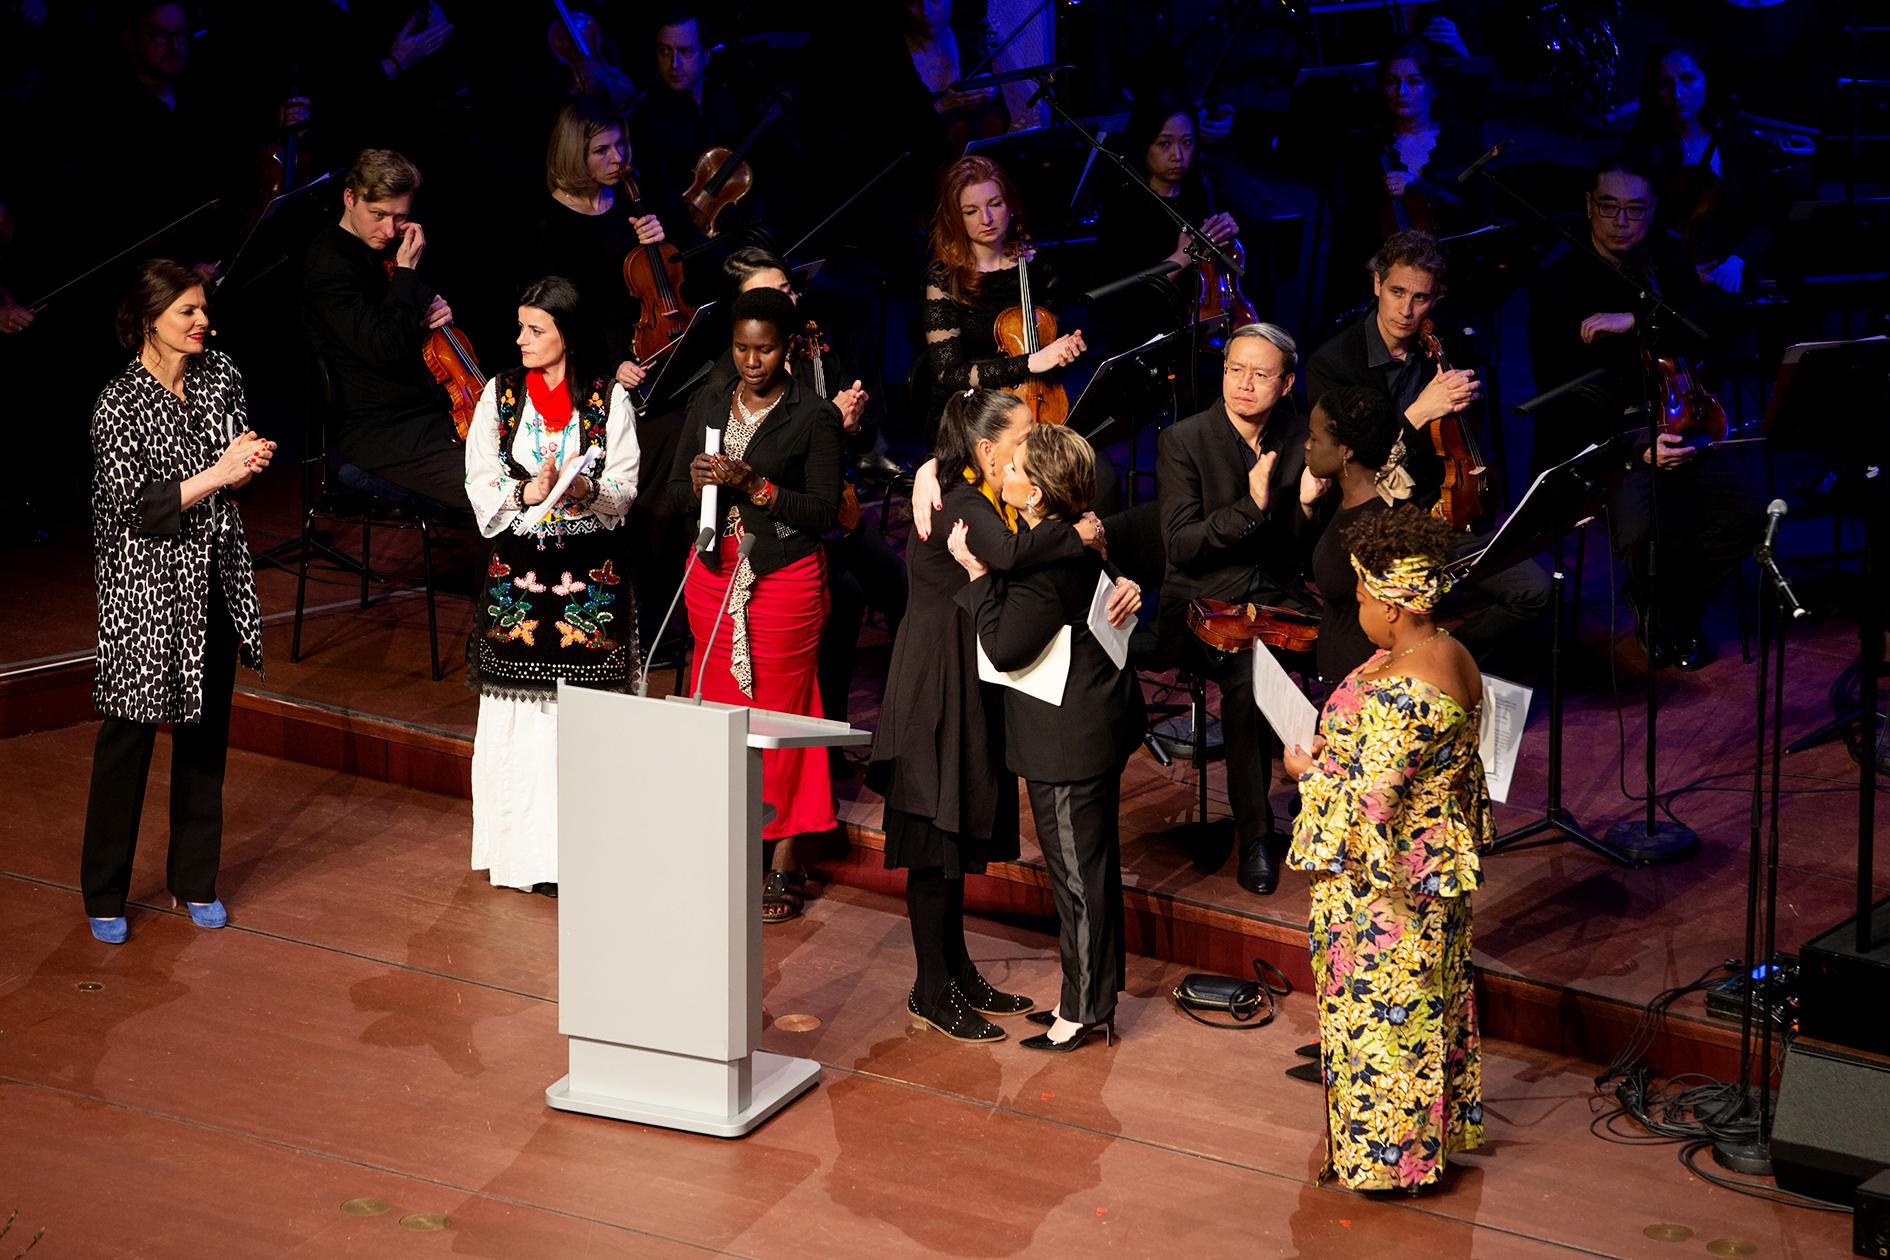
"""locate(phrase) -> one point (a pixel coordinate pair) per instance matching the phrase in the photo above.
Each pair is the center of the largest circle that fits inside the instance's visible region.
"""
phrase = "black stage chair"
(349, 495)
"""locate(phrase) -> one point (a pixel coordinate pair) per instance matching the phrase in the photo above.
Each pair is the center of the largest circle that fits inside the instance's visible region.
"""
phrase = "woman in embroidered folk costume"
(1393, 812)
(777, 478)
(176, 599)
(554, 605)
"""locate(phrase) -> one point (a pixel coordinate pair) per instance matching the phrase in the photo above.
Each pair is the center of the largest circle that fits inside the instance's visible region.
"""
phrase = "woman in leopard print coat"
(176, 596)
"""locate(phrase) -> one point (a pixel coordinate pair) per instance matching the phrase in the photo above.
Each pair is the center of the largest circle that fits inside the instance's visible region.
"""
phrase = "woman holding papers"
(1393, 812)
(552, 604)
(771, 449)
(938, 756)
(1069, 749)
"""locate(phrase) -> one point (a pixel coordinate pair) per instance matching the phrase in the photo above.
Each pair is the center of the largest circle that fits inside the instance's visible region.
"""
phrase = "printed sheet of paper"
(1286, 708)
(538, 512)
(1505, 714)
(1044, 678)
(1114, 639)
(710, 517)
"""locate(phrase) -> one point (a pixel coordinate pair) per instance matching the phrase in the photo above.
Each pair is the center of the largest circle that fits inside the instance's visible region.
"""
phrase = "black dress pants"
(121, 762)
(1711, 514)
(1077, 831)
(1248, 741)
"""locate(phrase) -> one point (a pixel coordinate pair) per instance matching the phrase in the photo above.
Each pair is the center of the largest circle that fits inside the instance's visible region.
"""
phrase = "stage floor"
(379, 1024)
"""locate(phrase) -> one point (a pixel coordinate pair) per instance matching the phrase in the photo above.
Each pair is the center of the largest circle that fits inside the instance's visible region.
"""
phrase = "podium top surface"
(769, 729)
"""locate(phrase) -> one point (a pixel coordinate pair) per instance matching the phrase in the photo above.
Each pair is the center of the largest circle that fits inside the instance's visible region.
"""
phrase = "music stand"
(245, 251)
(1561, 499)
(1106, 412)
(1830, 396)
(698, 345)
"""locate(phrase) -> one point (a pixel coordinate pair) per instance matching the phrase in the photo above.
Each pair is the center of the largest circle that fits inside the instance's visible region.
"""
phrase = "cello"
(1024, 329)
(1465, 497)
(654, 275)
(449, 356)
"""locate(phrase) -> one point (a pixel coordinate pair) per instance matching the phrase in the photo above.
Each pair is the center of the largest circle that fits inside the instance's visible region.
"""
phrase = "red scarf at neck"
(552, 402)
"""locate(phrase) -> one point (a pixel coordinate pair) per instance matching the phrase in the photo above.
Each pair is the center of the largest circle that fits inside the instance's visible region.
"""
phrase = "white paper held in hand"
(1499, 737)
(709, 517)
(1043, 679)
(1284, 706)
(1114, 639)
(536, 515)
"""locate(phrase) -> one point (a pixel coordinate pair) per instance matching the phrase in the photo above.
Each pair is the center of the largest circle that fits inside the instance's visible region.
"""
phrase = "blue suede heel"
(110, 931)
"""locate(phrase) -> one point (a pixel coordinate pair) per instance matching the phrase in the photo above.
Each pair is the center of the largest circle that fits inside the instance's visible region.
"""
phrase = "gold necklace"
(1439, 633)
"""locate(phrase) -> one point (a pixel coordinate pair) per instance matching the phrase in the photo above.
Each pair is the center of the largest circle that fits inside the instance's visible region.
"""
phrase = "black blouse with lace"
(960, 334)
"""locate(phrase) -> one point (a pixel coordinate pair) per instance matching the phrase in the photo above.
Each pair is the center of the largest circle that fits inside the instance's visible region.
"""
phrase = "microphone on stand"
(742, 550)
(1774, 513)
(1475, 168)
(703, 540)
(1166, 267)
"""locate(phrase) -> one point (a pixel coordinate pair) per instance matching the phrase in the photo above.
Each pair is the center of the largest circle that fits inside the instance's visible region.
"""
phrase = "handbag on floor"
(1245, 1003)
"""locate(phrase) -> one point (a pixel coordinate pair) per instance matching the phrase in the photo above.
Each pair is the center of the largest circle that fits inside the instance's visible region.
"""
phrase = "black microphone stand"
(1649, 840)
(1753, 1155)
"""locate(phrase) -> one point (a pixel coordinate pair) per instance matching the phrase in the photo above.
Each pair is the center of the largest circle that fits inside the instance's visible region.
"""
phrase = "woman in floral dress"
(1393, 811)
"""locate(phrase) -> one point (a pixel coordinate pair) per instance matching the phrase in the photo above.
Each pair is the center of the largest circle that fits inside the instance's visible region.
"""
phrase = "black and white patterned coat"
(153, 560)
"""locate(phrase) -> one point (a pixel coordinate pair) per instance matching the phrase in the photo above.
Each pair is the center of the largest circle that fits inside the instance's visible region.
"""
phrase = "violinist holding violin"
(1581, 319)
(370, 322)
(588, 226)
(1235, 500)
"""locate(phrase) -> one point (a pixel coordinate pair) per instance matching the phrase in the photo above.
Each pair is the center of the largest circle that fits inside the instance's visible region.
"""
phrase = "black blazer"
(1101, 720)
(1218, 545)
(798, 448)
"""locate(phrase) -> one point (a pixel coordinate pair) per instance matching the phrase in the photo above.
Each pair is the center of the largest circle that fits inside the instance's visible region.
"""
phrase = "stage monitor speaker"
(1843, 993)
(1831, 1131)
(1870, 1228)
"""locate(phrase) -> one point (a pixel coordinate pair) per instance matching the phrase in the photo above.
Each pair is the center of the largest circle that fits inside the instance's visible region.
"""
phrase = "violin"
(1465, 498)
(1687, 406)
(1220, 291)
(654, 276)
(1017, 333)
(1229, 627)
(449, 356)
(1402, 214)
(577, 43)
(809, 344)
(723, 177)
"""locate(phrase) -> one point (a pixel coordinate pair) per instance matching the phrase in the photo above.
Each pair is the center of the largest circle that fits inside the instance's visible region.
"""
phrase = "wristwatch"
(764, 496)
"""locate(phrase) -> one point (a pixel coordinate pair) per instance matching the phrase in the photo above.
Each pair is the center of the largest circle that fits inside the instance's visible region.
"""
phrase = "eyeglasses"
(1257, 376)
(1632, 211)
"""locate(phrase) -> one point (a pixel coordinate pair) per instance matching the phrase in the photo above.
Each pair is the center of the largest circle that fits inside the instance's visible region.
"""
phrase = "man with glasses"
(1582, 319)
(1232, 494)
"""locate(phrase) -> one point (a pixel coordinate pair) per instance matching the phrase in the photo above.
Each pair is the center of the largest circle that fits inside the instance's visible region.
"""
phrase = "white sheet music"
(1281, 702)
(1505, 715)
(1114, 639)
(1044, 678)
(536, 515)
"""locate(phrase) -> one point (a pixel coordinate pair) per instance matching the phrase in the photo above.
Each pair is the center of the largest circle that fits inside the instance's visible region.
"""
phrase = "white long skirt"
(515, 792)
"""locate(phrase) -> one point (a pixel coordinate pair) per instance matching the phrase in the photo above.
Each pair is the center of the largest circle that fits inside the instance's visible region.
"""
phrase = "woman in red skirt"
(777, 451)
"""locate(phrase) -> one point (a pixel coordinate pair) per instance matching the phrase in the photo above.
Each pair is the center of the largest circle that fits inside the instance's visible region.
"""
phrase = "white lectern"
(659, 910)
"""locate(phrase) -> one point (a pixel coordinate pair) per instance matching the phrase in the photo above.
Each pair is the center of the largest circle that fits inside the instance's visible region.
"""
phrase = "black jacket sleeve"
(385, 334)
(1194, 538)
(817, 508)
(1015, 619)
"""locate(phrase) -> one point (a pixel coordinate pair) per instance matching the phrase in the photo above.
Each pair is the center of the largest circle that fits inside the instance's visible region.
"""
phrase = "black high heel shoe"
(1046, 1019)
(1042, 1040)
(985, 1000)
(953, 1016)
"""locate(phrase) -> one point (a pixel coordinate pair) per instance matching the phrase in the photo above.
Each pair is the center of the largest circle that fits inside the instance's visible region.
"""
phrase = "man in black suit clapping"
(1234, 497)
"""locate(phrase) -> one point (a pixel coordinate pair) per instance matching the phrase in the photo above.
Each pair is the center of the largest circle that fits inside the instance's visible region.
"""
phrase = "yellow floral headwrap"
(1414, 583)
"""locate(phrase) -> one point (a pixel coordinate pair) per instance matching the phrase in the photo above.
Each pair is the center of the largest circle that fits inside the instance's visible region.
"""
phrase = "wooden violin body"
(1220, 292)
(654, 276)
(1229, 627)
(723, 177)
(1687, 407)
(1402, 214)
(1016, 335)
(449, 356)
(1466, 496)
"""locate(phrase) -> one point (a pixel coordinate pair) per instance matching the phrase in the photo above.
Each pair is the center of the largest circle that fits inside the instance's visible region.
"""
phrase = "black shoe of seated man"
(1257, 873)
(877, 466)
(1690, 651)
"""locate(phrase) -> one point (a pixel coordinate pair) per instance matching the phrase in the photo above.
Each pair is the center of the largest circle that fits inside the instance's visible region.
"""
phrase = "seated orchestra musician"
(369, 321)
(584, 233)
(1234, 507)
(1159, 140)
(680, 118)
(1383, 350)
(1582, 319)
